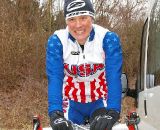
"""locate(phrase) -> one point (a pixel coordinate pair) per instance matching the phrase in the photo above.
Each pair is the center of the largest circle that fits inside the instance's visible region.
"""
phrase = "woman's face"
(80, 27)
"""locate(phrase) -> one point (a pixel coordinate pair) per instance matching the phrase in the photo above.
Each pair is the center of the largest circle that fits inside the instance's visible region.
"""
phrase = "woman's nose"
(78, 23)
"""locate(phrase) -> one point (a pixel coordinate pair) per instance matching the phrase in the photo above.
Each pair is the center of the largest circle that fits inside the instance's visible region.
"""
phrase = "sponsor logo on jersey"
(83, 70)
(75, 52)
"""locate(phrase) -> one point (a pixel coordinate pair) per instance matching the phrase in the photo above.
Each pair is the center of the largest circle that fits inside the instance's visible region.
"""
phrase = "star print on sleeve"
(112, 44)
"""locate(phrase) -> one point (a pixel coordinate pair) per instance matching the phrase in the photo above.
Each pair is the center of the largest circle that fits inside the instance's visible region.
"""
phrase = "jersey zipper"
(83, 54)
(84, 60)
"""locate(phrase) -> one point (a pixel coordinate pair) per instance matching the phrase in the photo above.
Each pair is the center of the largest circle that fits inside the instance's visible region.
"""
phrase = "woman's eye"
(71, 19)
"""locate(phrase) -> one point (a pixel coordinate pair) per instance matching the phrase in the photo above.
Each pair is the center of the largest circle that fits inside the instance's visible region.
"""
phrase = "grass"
(20, 105)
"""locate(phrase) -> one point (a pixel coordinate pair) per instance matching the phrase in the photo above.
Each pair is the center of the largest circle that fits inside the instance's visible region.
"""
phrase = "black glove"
(58, 122)
(103, 119)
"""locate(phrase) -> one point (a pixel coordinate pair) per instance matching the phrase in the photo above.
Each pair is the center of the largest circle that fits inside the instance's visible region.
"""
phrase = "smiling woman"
(80, 27)
(84, 66)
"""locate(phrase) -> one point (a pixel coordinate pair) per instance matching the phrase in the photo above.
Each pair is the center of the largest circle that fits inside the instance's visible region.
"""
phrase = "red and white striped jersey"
(84, 70)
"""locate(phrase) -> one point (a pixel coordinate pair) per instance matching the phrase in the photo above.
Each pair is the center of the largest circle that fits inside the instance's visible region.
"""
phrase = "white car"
(148, 81)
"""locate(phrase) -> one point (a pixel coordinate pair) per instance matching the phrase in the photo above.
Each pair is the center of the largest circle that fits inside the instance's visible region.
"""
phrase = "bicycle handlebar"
(87, 127)
(75, 127)
(37, 126)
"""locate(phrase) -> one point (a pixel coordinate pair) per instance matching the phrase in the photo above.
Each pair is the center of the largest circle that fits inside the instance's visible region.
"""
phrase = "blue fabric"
(55, 73)
(79, 111)
(113, 61)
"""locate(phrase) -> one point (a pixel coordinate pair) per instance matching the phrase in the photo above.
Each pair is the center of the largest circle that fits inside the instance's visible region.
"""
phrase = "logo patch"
(75, 52)
(75, 5)
(60, 120)
(83, 70)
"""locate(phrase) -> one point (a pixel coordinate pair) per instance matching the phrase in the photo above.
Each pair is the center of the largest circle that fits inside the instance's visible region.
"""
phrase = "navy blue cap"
(74, 8)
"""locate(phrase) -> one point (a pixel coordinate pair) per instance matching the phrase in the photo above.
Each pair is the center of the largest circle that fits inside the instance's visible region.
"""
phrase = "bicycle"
(132, 121)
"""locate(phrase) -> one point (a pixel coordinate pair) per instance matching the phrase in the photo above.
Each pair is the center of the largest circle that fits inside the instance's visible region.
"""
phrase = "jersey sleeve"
(113, 68)
(55, 73)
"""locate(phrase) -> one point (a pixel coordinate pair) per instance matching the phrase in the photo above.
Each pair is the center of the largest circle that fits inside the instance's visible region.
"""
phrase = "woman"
(83, 64)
